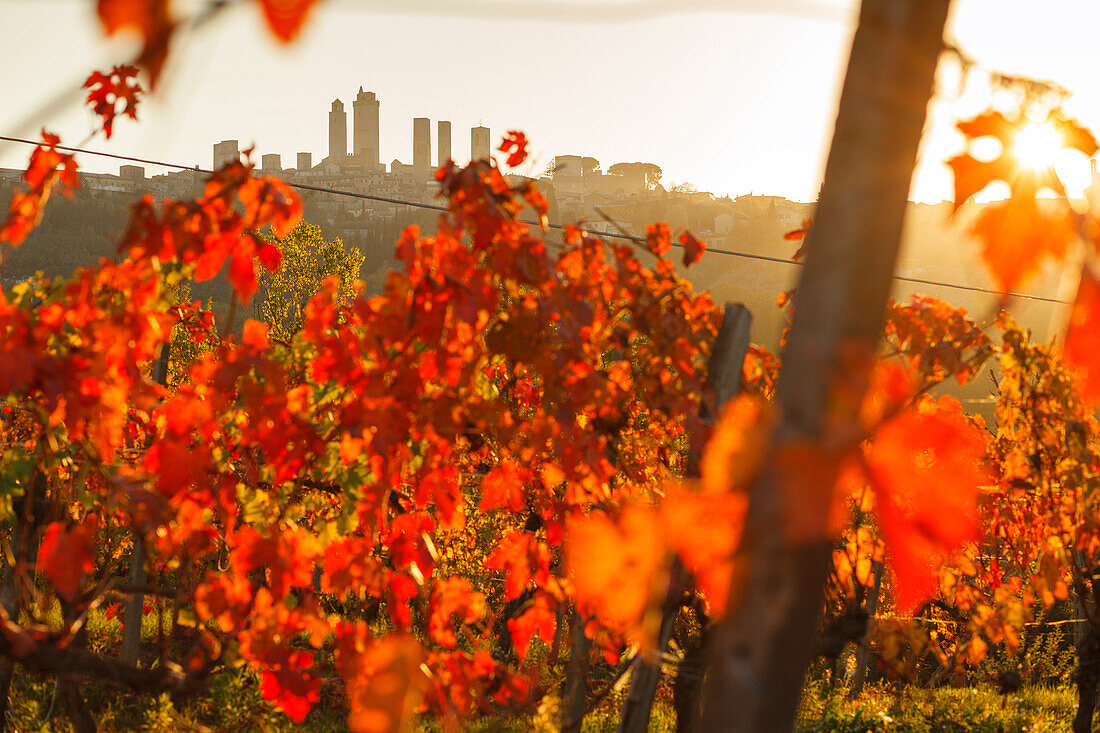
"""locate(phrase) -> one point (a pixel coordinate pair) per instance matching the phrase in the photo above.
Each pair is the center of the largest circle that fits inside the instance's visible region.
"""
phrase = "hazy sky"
(732, 96)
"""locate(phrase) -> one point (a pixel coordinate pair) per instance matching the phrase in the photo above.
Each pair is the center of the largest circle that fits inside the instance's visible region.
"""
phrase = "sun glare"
(1036, 146)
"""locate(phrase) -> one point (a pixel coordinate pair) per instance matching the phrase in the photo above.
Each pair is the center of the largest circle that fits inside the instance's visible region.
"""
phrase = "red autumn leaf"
(114, 93)
(927, 465)
(443, 487)
(268, 200)
(552, 476)
(47, 166)
(242, 270)
(254, 334)
(1018, 234)
(737, 445)
(270, 256)
(65, 556)
(151, 20)
(523, 558)
(453, 598)
(658, 238)
(806, 475)
(515, 144)
(216, 249)
(615, 564)
(350, 566)
(693, 248)
(285, 18)
(972, 175)
(705, 531)
(796, 234)
(1082, 350)
(289, 686)
(538, 619)
(799, 235)
(383, 678)
(503, 487)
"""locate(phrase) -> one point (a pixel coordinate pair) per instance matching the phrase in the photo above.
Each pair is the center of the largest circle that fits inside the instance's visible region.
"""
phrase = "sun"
(1036, 146)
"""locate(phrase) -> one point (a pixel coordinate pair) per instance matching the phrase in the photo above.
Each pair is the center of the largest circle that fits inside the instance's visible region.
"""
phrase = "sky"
(733, 96)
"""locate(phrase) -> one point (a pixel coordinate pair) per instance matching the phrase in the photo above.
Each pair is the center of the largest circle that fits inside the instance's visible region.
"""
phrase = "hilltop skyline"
(661, 88)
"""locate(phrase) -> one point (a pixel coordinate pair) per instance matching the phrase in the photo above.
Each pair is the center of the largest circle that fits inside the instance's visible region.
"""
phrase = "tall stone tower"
(226, 151)
(443, 143)
(271, 163)
(422, 146)
(479, 143)
(337, 133)
(366, 129)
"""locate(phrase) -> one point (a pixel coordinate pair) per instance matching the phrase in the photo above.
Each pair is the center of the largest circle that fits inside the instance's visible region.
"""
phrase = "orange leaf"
(268, 200)
(503, 487)
(515, 144)
(705, 531)
(289, 686)
(928, 466)
(453, 597)
(1082, 350)
(616, 564)
(151, 20)
(807, 475)
(107, 91)
(538, 620)
(795, 234)
(254, 334)
(735, 451)
(973, 175)
(65, 556)
(383, 677)
(693, 248)
(552, 476)
(658, 238)
(47, 166)
(1018, 234)
(285, 18)
(523, 558)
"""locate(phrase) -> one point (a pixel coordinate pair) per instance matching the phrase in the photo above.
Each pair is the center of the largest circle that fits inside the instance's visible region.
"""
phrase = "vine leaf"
(106, 92)
(693, 248)
(47, 166)
(515, 144)
(927, 465)
(151, 20)
(285, 18)
(1082, 350)
(65, 556)
(1018, 234)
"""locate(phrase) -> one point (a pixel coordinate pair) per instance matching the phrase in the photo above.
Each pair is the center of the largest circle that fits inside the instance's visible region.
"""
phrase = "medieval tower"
(479, 143)
(422, 146)
(366, 129)
(443, 143)
(337, 133)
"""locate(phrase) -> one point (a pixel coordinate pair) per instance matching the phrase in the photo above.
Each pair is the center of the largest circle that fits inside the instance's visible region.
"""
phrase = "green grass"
(232, 702)
(981, 709)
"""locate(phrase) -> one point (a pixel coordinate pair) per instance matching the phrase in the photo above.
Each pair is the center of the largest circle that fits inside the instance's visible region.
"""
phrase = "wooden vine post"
(760, 652)
(131, 617)
(724, 375)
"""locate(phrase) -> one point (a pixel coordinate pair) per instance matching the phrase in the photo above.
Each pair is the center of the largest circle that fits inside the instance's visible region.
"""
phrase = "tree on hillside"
(307, 260)
(648, 173)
